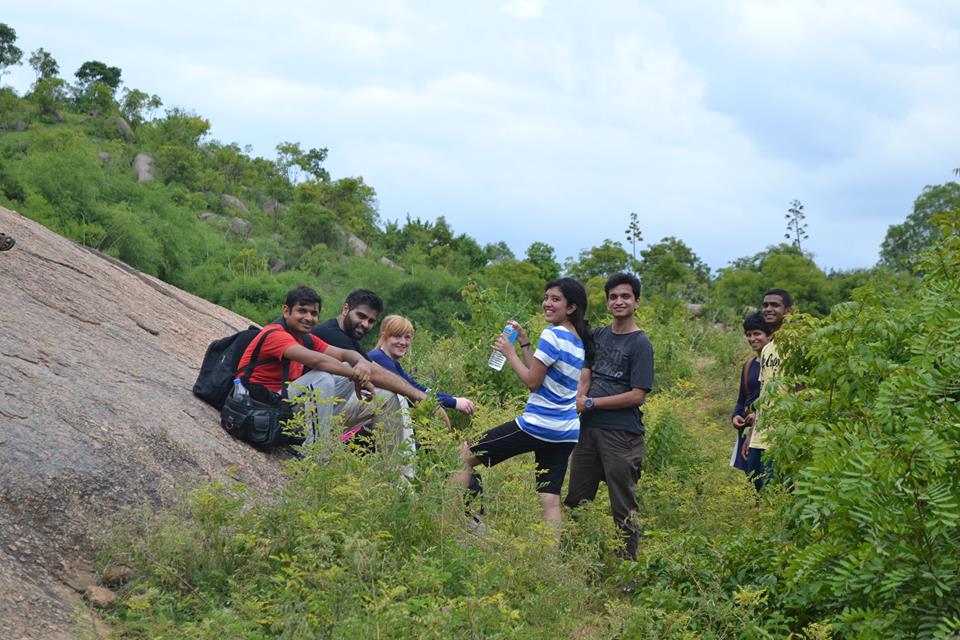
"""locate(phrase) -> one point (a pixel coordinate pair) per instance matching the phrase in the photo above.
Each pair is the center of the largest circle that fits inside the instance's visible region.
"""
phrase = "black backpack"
(221, 363)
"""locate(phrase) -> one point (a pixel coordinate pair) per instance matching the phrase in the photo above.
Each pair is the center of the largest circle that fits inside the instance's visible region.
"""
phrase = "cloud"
(524, 9)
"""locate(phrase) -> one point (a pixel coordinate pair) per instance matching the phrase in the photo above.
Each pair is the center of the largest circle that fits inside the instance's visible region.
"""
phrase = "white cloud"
(524, 9)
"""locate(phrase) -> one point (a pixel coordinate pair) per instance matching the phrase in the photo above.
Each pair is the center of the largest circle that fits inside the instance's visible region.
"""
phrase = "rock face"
(359, 247)
(143, 166)
(96, 414)
(233, 202)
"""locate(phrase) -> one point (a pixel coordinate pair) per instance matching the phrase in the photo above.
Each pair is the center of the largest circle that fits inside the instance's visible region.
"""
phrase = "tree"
(95, 71)
(10, 53)
(44, 64)
(137, 106)
(497, 252)
(609, 258)
(742, 285)
(542, 256)
(670, 267)
(904, 241)
(291, 160)
(796, 227)
(634, 234)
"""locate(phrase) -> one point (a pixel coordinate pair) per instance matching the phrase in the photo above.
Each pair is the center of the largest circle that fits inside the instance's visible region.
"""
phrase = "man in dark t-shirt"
(613, 386)
(357, 318)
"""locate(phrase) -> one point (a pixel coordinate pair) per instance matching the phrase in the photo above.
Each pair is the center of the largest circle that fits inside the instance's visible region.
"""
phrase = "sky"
(537, 120)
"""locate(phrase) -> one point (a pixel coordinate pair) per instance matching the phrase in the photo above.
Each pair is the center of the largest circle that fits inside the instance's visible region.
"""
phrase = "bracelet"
(524, 345)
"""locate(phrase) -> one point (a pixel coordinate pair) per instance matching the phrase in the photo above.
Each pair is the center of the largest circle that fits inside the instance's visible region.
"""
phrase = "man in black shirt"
(357, 318)
(611, 390)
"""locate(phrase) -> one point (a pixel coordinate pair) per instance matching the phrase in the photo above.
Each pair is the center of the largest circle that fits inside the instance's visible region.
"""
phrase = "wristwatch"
(588, 404)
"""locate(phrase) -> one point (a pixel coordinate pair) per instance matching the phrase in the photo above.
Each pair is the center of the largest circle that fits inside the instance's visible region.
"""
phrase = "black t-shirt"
(331, 333)
(621, 362)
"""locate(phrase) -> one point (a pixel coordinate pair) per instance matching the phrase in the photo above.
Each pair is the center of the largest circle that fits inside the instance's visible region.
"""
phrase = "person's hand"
(751, 418)
(503, 345)
(521, 333)
(739, 422)
(580, 403)
(362, 372)
(745, 449)
(365, 391)
(465, 405)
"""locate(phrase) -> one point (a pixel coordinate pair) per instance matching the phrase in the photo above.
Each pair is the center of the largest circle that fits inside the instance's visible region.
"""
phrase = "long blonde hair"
(393, 325)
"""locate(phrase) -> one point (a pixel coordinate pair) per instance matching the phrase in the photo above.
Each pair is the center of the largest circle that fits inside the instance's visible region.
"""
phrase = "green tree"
(50, 95)
(10, 53)
(741, 285)
(94, 71)
(138, 106)
(602, 261)
(497, 252)
(905, 241)
(44, 65)
(670, 267)
(634, 235)
(542, 256)
(796, 227)
(292, 160)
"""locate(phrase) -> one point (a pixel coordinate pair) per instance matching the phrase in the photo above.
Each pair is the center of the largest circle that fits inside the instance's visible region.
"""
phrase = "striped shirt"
(551, 411)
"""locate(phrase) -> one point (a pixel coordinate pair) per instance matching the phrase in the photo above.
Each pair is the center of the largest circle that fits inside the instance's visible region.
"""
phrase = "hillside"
(96, 361)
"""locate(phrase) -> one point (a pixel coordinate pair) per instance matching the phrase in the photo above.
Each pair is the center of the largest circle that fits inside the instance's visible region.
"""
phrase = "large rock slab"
(96, 414)
(143, 167)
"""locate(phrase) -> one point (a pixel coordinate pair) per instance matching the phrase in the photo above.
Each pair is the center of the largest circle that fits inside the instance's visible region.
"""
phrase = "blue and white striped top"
(551, 411)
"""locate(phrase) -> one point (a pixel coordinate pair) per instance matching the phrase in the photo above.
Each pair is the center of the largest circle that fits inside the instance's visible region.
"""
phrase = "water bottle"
(497, 359)
(239, 391)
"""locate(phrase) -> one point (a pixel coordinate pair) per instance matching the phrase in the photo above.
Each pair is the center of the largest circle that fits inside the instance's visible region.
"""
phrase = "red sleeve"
(275, 345)
(318, 344)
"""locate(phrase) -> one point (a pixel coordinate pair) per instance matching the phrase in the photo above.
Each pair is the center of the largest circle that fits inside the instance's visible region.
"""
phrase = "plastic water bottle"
(497, 359)
(239, 391)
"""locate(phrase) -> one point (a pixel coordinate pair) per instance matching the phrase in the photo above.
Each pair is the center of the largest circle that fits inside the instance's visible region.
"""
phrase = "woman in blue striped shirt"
(549, 426)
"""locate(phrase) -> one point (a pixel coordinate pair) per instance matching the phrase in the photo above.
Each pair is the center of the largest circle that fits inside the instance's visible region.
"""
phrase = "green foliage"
(10, 53)
(44, 64)
(544, 258)
(94, 71)
(870, 446)
(741, 285)
(905, 241)
(671, 268)
(609, 258)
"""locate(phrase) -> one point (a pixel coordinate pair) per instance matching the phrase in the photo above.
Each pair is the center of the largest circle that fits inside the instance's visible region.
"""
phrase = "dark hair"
(366, 298)
(575, 293)
(303, 295)
(787, 300)
(618, 279)
(755, 322)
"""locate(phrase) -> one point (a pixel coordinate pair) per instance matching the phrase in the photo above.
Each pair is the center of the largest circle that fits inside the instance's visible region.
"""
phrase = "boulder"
(104, 157)
(278, 265)
(97, 361)
(239, 227)
(273, 207)
(19, 125)
(123, 128)
(695, 310)
(359, 247)
(99, 597)
(209, 216)
(384, 260)
(233, 202)
(143, 167)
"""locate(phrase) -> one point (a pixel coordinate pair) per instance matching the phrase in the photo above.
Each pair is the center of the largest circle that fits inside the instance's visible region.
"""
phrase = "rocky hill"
(96, 415)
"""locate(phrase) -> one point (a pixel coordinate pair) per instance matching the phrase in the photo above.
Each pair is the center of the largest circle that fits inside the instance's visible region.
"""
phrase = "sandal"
(6, 242)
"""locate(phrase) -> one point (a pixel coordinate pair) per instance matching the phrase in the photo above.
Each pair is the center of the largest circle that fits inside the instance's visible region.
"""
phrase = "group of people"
(586, 386)
(755, 377)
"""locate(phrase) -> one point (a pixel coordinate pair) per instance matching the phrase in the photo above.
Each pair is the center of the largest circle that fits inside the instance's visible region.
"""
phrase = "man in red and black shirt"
(330, 365)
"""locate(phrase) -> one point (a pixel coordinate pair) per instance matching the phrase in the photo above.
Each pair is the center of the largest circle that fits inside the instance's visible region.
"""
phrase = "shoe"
(477, 527)
(6, 242)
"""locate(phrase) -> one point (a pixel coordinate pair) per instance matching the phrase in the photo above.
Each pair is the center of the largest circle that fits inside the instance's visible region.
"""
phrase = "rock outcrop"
(96, 414)
(143, 167)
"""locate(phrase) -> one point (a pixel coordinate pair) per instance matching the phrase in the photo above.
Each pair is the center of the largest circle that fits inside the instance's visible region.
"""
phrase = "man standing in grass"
(613, 386)
(777, 304)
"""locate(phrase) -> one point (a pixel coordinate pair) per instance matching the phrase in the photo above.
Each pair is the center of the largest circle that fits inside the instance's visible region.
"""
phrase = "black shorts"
(508, 440)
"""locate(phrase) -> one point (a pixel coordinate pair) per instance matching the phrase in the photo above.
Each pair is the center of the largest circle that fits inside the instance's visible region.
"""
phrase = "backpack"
(221, 363)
